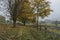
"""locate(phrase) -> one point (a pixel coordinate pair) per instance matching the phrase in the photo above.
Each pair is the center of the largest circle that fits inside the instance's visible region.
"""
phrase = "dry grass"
(21, 33)
(4, 27)
(6, 30)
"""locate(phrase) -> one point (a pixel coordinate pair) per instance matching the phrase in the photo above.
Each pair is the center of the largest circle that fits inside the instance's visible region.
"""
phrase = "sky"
(3, 8)
(55, 6)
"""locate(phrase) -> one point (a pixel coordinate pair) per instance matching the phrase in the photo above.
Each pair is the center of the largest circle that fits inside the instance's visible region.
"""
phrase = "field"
(25, 33)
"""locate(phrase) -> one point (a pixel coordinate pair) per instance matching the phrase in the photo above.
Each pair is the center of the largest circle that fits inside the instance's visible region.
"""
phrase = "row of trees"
(25, 10)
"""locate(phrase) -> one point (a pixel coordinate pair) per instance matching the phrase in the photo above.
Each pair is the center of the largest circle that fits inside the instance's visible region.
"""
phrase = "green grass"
(54, 30)
(24, 33)
(52, 24)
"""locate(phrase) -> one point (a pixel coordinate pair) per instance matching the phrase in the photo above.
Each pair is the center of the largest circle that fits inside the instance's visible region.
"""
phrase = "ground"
(24, 33)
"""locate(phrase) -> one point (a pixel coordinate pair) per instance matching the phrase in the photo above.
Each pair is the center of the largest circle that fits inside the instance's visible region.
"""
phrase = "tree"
(56, 23)
(14, 9)
(26, 12)
(42, 9)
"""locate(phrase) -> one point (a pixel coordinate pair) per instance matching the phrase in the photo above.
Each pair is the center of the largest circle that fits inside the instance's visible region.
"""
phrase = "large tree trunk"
(14, 23)
(24, 23)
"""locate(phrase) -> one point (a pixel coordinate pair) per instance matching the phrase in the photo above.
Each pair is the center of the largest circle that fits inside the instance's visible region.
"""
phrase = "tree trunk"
(37, 21)
(24, 23)
(14, 23)
(37, 17)
(37, 24)
(40, 27)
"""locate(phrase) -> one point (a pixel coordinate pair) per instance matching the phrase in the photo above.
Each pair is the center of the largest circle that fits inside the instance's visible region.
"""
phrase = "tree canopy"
(24, 10)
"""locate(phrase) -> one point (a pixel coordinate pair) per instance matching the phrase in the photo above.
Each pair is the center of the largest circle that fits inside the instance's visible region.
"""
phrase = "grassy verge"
(54, 30)
(24, 33)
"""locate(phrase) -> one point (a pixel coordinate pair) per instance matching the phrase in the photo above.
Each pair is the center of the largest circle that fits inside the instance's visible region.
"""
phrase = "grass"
(54, 30)
(23, 33)
(52, 24)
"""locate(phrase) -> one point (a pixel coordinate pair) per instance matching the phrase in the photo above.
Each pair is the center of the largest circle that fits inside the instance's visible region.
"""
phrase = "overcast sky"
(55, 6)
